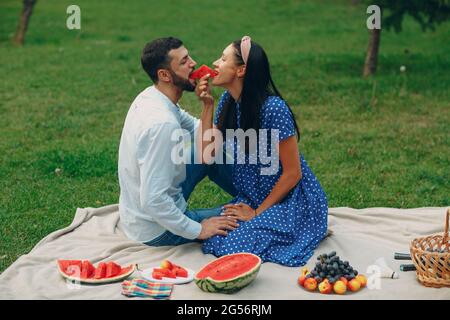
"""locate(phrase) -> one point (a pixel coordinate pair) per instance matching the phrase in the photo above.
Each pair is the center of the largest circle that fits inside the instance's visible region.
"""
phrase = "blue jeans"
(220, 174)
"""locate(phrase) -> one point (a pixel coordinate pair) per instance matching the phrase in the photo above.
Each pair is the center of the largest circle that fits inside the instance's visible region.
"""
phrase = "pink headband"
(245, 47)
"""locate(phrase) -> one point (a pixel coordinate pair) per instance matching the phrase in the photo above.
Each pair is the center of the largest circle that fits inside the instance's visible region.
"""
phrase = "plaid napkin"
(143, 288)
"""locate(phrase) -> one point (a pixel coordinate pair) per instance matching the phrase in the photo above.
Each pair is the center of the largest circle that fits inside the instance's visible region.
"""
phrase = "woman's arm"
(289, 178)
(206, 118)
(291, 175)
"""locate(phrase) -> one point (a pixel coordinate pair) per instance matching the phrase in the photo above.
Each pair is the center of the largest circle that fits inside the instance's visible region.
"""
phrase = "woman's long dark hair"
(258, 85)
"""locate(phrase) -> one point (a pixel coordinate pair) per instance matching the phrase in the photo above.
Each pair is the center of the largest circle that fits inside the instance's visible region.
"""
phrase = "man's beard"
(181, 83)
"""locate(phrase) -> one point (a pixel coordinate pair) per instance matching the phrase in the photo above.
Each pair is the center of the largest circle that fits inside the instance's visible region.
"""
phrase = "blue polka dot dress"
(288, 232)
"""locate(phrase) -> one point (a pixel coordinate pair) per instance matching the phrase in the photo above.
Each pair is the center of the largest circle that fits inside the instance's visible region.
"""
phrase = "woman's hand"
(239, 211)
(203, 91)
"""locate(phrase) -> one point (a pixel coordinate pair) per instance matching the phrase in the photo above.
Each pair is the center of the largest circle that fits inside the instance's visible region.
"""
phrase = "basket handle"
(445, 237)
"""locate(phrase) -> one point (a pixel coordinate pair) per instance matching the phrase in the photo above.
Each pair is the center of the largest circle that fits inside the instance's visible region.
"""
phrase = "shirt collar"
(173, 107)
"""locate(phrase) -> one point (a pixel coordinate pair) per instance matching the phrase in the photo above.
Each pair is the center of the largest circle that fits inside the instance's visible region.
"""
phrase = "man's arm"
(157, 172)
(188, 122)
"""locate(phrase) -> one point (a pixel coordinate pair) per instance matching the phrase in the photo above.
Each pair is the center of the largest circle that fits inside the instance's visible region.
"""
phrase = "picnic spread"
(372, 253)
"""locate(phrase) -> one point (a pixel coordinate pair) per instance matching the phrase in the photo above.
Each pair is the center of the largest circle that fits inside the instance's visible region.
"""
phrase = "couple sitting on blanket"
(278, 214)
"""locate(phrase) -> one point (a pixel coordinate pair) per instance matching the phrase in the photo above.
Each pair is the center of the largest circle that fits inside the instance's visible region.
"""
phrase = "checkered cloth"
(143, 288)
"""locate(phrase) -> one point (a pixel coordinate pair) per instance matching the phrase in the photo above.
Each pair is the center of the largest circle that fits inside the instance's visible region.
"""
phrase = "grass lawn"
(380, 142)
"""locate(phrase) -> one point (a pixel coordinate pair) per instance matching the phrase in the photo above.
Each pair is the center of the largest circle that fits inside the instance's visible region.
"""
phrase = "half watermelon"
(229, 273)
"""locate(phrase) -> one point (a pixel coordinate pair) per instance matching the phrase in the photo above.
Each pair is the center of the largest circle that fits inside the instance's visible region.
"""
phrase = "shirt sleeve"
(188, 122)
(157, 173)
(279, 117)
(219, 107)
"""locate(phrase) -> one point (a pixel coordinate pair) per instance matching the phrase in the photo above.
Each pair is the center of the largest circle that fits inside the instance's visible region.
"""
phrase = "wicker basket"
(431, 256)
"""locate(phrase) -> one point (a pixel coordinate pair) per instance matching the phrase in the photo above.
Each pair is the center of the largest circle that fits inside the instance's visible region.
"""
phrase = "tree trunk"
(27, 10)
(370, 66)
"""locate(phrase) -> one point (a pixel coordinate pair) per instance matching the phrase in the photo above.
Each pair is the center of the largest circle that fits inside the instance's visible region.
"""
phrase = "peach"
(344, 280)
(310, 284)
(166, 264)
(362, 280)
(325, 287)
(301, 280)
(304, 272)
(340, 287)
(354, 285)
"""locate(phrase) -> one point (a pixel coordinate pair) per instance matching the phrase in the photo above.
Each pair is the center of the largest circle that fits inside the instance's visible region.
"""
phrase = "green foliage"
(428, 13)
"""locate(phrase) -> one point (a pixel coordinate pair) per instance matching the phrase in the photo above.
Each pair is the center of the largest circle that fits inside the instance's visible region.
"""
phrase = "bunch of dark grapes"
(331, 267)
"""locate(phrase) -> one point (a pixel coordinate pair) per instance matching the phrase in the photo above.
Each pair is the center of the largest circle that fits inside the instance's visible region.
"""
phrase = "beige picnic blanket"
(358, 235)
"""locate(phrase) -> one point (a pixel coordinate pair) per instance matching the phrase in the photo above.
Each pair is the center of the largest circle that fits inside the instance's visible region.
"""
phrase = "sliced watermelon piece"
(157, 275)
(100, 271)
(171, 270)
(87, 270)
(112, 269)
(169, 273)
(180, 272)
(70, 267)
(203, 71)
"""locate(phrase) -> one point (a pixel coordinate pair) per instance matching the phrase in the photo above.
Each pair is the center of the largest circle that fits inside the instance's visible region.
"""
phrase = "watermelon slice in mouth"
(203, 71)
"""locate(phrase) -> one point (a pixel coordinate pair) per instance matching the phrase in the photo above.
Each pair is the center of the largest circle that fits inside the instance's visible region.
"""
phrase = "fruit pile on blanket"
(331, 274)
(84, 271)
(169, 270)
(228, 274)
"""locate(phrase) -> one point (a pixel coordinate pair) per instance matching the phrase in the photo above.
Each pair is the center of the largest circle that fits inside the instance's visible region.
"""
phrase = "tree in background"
(428, 13)
(27, 10)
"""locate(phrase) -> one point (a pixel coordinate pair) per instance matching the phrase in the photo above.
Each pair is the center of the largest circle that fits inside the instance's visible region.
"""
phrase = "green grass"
(64, 96)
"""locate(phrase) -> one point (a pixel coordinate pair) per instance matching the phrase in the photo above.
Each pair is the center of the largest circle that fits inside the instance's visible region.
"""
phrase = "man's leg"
(194, 174)
(220, 174)
(170, 239)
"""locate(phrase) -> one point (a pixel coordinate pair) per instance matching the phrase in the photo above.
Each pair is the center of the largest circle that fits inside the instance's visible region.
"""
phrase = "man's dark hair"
(156, 55)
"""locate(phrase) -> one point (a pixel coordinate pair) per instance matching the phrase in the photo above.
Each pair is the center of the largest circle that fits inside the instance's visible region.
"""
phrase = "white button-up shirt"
(151, 199)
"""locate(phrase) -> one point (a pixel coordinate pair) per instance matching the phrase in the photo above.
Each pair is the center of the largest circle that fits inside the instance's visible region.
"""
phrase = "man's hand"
(203, 91)
(217, 226)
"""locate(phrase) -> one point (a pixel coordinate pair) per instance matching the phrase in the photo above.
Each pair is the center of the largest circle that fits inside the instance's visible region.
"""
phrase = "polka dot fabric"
(288, 232)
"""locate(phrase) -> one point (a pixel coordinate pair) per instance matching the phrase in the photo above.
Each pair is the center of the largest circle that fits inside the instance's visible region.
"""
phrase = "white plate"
(147, 274)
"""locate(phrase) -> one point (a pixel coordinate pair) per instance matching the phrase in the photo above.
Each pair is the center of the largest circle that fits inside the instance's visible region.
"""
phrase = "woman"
(283, 216)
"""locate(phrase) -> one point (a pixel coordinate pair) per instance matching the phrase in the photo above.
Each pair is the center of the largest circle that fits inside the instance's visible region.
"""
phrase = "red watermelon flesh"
(157, 275)
(169, 273)
(112, 269)
(229, 267)
(203, 71)
(87, 270)
(100, 271)
(180, 272)
(70, 267)
(171, 270)
(83, 269)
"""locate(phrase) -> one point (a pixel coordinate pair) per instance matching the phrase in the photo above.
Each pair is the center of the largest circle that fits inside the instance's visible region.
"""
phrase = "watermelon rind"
(119, 277)
(230, 285)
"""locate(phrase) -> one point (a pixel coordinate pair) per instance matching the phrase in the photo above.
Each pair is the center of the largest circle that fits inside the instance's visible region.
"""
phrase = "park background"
(380, 141)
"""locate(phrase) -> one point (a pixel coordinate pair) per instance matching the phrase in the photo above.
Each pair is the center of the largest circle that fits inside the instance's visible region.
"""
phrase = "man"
(154, 188)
